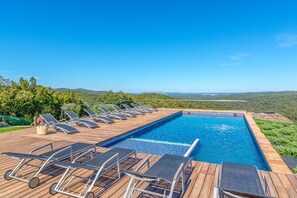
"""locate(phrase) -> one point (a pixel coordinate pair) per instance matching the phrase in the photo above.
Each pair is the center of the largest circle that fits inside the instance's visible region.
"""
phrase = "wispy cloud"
(286, 40)
(230, 64)
(236, 59)
(239, 56)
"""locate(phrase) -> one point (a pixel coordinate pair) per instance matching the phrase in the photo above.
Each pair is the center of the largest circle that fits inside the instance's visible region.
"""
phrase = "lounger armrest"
(179, 171)
(51, 123)
(83, 154)
(145, 161)
(61, 150)
(41, 147)
(63, 120)
(114, 156)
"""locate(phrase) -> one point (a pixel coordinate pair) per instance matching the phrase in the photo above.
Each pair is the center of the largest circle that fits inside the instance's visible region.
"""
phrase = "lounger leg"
(171, 189)
(64, 177)
(215, 192)
(128, 188)
(118, 165)
(133, 189)
(18, 167)
(95, 179)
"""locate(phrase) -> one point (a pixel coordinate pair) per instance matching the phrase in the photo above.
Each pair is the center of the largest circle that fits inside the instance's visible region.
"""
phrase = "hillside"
(79, 90)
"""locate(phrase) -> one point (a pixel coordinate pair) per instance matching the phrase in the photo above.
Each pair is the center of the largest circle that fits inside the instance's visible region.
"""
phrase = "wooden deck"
(200, 184)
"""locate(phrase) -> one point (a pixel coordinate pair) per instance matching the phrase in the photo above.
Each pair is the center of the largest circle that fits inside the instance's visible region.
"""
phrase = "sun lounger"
(112, 115)
(133, 110)
(139, 108)
(52, 122)
(74, 118)
(97, 166)
(98, 118)
(240, 180)
(168, 170)
(44, 160)
(147, 106)
(123, 112)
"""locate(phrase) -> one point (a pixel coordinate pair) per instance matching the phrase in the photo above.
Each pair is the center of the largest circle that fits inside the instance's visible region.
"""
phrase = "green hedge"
(15, 121)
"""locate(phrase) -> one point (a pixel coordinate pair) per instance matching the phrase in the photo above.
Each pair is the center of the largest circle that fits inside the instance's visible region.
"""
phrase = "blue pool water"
(221, 139)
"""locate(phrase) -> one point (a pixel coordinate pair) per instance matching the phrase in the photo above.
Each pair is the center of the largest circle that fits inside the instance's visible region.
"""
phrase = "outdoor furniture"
(45, 159)
(52, 122)
(72, 183)
(240, 180)
(147, 106)
(74, 118)
(169, 170)
(141, 108)
(112, 115)
(121, 111)
(97, 118)
(133, 110)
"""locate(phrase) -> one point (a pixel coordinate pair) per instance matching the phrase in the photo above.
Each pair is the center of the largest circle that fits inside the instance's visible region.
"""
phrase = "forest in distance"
(27, 99)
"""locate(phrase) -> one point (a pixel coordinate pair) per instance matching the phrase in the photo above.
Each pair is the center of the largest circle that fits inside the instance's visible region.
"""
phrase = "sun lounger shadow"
(177, 193)
(110, 178)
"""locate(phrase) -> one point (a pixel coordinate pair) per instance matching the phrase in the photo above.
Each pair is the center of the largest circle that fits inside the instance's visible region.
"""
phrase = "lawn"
(283, 136)
(13, 128)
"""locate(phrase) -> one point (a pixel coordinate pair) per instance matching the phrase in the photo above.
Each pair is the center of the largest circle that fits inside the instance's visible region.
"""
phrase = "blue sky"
(136, 46)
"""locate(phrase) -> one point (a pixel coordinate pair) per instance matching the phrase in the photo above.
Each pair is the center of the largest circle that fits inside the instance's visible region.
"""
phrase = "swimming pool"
(222, 137)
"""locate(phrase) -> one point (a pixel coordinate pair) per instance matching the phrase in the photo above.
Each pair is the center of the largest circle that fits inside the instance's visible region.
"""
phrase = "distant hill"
(80, 90)
(227, 96)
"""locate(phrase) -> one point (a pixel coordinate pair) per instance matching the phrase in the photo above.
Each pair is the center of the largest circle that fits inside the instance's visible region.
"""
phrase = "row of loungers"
(236, 180)
(107, 118)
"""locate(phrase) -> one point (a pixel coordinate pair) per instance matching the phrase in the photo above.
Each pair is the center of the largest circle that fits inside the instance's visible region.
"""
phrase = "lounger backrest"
(71, 114)
(117, 107)
(90, 112)
(48, 118)
(126, 106)
(134, 105)
(104, 110)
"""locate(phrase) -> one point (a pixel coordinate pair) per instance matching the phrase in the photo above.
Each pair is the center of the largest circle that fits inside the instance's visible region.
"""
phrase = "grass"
(283, 137)
(7, 129)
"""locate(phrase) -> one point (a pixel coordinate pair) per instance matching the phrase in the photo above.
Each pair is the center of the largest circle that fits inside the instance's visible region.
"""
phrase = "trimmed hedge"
(15, 121)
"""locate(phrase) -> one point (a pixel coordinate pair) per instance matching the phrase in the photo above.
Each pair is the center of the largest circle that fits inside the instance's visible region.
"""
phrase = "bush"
(283, 136)
(15, 121)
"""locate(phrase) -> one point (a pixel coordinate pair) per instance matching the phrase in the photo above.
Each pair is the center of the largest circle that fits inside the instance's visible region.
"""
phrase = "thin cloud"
(286, 40)
(239, 56)
(236, 59)
(230, 64)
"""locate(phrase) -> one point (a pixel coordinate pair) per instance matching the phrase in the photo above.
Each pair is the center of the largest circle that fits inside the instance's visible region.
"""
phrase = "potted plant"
(41, 126)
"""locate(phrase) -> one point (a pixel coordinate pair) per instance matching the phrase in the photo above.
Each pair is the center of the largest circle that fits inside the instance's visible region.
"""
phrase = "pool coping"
(273, 159)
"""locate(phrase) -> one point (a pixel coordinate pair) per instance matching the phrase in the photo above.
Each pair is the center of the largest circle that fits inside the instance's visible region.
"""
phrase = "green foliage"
(27, 99)
(281, 102)
(15, 121)
(295, 169)
(283, 136)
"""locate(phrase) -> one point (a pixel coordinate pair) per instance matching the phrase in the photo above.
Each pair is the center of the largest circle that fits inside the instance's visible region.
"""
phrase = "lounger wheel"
(89, 195)
(52, 189)
(6, 175)
(34, 182)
